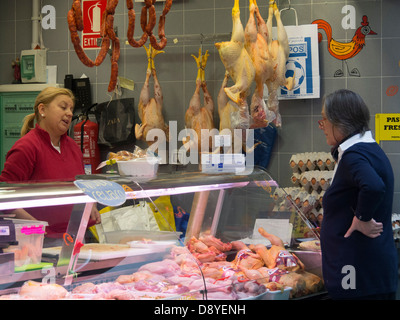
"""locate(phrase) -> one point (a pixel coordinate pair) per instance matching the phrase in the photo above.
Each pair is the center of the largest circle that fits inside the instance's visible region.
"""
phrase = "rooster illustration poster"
(345, 50)
(303, 63)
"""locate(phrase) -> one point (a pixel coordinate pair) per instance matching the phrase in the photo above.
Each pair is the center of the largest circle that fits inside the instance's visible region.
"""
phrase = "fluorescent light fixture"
(13, 199)
(44, 202)
(180, 190)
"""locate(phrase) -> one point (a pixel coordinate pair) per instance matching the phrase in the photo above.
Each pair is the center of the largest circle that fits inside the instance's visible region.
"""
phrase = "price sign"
(108, 193)
(387, 127)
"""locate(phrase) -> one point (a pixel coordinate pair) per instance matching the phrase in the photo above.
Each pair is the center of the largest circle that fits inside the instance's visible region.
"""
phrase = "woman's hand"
(371, 228)
(95, 215)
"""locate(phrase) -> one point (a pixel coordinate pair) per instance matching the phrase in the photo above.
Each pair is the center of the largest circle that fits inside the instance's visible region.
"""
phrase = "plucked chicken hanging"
(279, 52)
(150, 109)
(236, 60)
(200, 117)
(252, 55)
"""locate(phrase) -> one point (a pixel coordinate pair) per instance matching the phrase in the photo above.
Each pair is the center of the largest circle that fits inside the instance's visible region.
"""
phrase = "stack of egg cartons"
(312, 173)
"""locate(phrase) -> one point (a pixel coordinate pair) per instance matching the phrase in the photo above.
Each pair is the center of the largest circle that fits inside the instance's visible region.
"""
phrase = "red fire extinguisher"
(86, 134)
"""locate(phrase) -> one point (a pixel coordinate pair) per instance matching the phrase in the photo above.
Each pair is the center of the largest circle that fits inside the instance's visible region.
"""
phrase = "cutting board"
(97, 251)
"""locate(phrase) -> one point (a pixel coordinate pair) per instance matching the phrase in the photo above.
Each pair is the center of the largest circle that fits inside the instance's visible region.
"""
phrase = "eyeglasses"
(321, 123)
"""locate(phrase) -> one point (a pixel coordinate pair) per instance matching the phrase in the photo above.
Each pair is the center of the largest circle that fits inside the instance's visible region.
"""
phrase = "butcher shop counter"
(96, 271)
(225, 210)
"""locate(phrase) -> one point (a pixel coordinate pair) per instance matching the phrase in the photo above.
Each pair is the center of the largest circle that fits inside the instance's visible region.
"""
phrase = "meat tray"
(95, 251)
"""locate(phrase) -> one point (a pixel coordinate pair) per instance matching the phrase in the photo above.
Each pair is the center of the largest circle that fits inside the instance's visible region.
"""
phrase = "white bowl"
(140, 167)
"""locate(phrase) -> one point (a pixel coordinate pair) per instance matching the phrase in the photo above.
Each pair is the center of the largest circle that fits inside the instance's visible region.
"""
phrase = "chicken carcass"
(166, 268)
(200, 118)
(247, 259)
(279, 53)
(237, 60)
(256, 45)
(228, 111)
(139, 276)
(232, 116)
(260, 114)
(203, 252)
(42, 291)
(150, 109)
(277, 255)
(210, 240)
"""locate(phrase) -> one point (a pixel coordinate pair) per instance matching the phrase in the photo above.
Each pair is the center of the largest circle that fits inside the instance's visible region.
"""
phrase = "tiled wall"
(378, 63)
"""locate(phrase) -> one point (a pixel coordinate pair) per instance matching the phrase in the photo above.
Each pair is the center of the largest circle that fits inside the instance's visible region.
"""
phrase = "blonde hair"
(46, 96)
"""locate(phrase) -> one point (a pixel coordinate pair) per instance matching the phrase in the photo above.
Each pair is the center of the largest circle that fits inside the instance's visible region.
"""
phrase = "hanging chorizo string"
(75, 24)
(148, 26)
(108, 31)
(161, 29)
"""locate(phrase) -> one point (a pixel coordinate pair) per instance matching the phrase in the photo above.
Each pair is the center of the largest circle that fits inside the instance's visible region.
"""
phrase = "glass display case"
(181, 235)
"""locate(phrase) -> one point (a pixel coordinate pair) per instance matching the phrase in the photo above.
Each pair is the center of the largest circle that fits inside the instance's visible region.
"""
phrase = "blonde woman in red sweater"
(46, 153)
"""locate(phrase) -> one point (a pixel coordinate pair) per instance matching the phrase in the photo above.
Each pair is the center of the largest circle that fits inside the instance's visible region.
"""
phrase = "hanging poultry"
(237, 60)
(279, 53)
(200, 117)
(232, 116)
(150, 109)
(257, 46)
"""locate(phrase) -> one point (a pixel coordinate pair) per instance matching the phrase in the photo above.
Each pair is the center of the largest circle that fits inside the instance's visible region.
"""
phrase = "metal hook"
(202, 37)
(290, 8)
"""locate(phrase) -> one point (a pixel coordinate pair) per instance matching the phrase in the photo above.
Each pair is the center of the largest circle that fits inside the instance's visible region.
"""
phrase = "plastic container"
(125, 236)
(139, 168)
(30, 235)
(277, 295)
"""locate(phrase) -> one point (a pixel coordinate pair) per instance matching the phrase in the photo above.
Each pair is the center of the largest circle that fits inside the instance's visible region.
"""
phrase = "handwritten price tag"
(108, 193)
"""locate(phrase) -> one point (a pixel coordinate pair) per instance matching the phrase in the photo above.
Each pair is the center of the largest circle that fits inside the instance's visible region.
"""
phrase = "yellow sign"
(387, 126)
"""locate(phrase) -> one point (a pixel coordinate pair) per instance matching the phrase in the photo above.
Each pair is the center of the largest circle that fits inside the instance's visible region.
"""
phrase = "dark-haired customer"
(359, 258)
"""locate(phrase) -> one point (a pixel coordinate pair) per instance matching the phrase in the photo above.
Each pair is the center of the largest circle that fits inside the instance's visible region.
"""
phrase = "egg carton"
(308, 161)
(308, 203)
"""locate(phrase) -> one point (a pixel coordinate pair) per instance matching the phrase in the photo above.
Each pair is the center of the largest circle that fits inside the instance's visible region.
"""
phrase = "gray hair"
(347, 111)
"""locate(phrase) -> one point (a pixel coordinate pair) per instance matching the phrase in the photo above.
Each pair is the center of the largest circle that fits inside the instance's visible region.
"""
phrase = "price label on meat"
(108, 193)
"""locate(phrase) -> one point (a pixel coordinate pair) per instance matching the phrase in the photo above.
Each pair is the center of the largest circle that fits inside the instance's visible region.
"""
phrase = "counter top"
(24, 87)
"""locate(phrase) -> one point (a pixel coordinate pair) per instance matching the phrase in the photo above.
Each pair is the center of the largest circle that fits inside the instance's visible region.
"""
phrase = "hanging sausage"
(75, 24)
(148, 24)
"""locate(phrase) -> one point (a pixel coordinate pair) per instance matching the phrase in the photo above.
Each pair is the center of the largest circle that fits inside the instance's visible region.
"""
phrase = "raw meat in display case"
(221, 256)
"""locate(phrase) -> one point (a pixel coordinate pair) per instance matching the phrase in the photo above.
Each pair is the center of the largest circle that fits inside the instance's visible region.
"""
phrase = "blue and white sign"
(105, 192)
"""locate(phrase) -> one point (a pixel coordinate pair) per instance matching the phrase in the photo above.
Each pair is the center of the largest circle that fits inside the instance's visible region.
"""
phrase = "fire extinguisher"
(86, 134)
